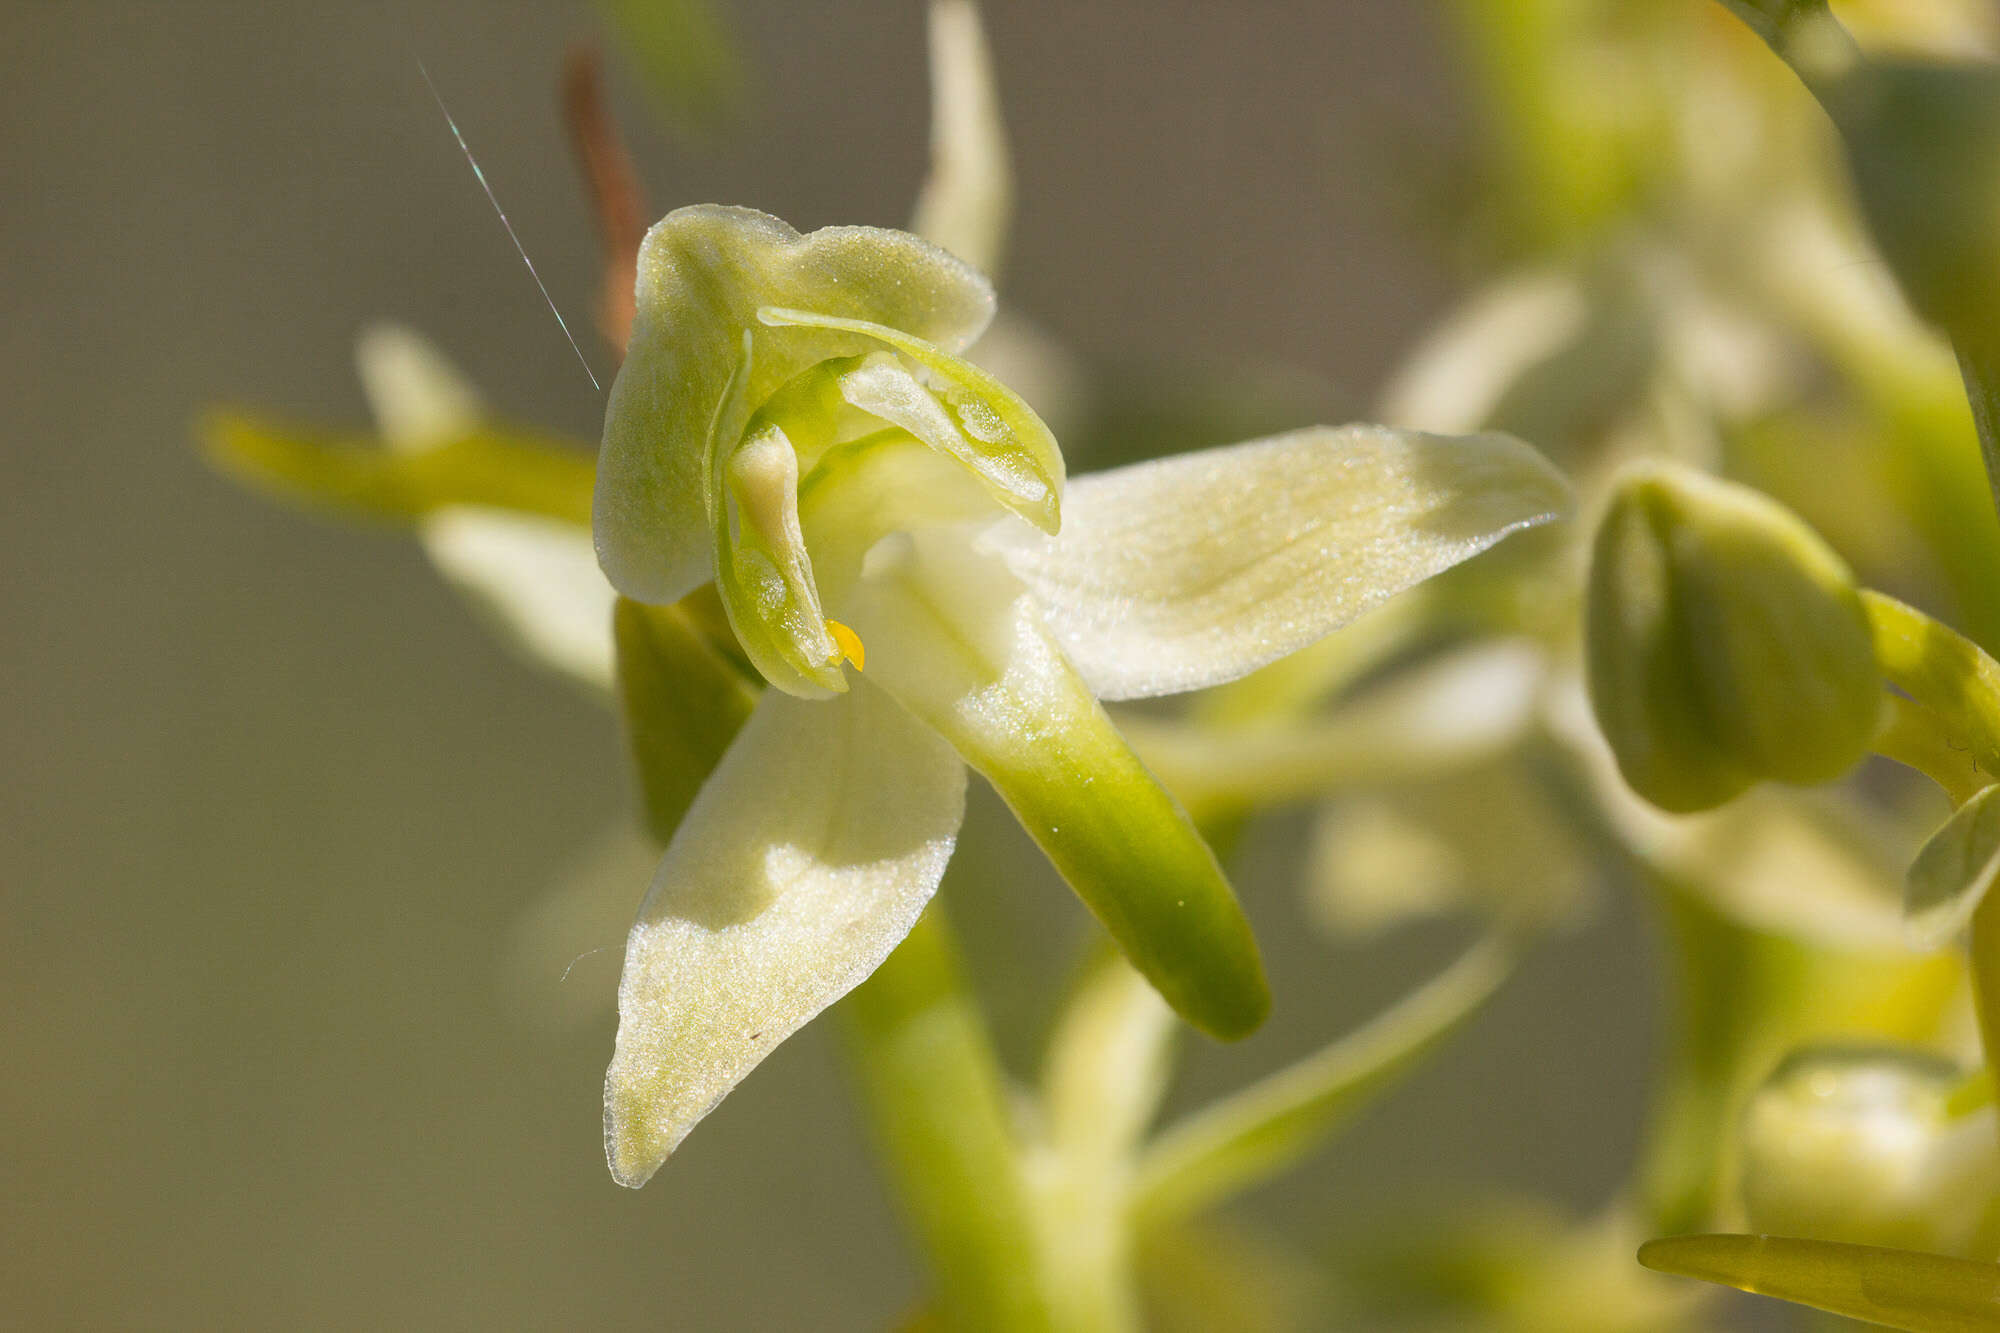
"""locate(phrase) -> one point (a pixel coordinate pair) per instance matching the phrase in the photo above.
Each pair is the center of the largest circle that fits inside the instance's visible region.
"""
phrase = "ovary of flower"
(794, 420)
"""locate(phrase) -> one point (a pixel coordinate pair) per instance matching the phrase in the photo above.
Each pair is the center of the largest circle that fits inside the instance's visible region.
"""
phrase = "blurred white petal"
(537, 580)
(418, 397)
(968, 197)
(1456, 377)
(1463, 709)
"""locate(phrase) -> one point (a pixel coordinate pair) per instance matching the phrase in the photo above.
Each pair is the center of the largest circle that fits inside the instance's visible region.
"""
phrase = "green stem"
(1949, 675)
(1942, 670)
(1916, 737)
(1107, 1067)
(939, 1103)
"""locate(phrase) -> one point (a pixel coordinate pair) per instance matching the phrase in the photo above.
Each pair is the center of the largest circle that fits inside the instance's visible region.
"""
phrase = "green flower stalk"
(899, 552)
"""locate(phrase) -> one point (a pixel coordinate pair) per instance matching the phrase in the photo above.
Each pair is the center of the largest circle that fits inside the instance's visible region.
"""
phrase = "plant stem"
(1916, 737)
(1107, 1067)
(1942, 670)
(938, 1100)
(1960, 685)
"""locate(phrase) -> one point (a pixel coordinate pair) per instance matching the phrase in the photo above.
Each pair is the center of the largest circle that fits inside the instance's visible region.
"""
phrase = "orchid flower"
(890, 532)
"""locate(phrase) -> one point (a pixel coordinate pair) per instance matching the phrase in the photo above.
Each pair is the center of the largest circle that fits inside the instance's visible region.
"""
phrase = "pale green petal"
(1924, 1293)
(805, 860)
(703, 273)
(969, 195)
(1954, 872)
(958, 641)
(1186, 572)
(970, 415)
(536, 579)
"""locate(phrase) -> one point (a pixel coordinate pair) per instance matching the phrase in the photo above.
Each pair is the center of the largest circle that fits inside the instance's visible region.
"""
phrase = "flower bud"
(1726, 642)
(1863, 1145)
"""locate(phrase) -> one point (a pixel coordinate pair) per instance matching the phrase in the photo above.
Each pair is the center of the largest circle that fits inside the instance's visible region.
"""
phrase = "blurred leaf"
(1201, 1276)
(1107, 1068)
(683, 703)
(1263, 1129)
(1512, 1265)
(492, 469)
(1922, 1293)
(1490, 840)
(688, 57)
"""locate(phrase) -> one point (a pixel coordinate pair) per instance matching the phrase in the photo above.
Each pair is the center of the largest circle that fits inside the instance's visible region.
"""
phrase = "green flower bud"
(1726, 642)
(1864, 1146)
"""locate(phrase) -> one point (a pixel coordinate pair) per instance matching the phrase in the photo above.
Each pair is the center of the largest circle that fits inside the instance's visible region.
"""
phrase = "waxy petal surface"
(1190, 571)
(806, 859)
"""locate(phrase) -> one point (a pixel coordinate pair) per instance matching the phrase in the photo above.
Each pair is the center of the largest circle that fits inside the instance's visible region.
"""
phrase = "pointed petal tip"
(635, 1145)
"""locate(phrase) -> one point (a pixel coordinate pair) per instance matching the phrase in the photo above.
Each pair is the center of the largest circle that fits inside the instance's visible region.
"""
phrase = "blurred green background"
(282, 1048)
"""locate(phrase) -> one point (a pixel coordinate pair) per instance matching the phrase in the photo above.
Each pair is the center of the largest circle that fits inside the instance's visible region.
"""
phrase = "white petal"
(1186, 572)
(536, 578)
(419, 399)
(805, 860)
(1460, 372)
(969, 194)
